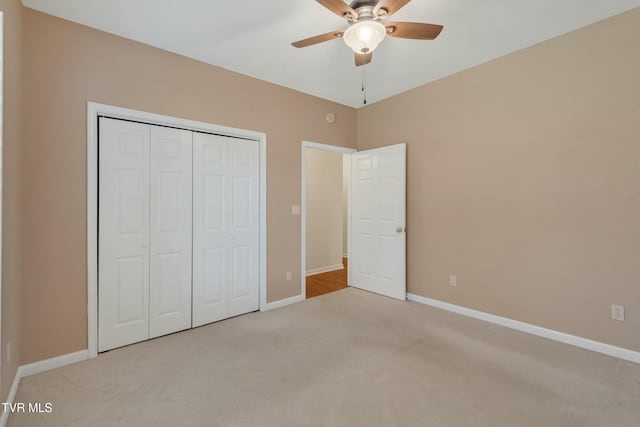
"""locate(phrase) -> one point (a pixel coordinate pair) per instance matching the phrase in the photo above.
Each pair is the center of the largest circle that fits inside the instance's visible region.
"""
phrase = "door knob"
(400, 230)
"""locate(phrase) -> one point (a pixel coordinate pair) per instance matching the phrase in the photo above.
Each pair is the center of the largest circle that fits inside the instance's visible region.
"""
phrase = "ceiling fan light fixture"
(364, 36)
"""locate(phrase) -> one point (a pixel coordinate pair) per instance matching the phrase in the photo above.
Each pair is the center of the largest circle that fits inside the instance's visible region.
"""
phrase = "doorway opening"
(325, 218)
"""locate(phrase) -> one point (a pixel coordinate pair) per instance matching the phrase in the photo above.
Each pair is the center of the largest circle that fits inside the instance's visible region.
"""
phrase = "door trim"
(94, 110)
(2, 107)
(303, 210)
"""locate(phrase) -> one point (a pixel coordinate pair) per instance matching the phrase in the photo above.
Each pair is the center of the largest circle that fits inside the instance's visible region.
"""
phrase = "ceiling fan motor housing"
(365, 10)
(355, 5)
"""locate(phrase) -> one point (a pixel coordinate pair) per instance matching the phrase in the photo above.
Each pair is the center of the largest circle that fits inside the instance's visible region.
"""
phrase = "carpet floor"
(349, 358)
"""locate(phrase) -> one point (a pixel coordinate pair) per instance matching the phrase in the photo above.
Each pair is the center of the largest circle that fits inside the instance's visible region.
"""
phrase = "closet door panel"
(210, 229)
(123, 233)
(244, 218)
(170, 225)
(226, 233)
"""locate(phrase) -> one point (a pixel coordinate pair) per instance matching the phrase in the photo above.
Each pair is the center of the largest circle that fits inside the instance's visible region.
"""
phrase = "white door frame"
(303, 211)
(94, 110)
(1, 168)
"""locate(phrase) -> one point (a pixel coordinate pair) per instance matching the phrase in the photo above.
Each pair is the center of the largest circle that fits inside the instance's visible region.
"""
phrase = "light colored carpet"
(349, 358)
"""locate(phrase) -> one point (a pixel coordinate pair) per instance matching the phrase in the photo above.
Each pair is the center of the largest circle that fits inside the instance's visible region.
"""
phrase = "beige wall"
(12, 138)
(67, 65)
(524, 181)
(324, 210)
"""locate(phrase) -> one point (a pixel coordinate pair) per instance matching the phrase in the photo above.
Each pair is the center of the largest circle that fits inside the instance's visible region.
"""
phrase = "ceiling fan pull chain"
(364, 83)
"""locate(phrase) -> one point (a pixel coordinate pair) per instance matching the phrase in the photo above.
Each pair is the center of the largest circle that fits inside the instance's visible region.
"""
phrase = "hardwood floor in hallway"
(324, 283)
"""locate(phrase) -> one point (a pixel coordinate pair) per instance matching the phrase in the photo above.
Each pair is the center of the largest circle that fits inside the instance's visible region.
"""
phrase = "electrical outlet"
(453, 281)
(288, 276)
(617, 312)
(295, 210)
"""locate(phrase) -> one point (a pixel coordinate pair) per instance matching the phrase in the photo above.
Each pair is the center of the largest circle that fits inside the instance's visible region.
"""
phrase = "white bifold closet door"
(225, 227)
(170, 230)
(123, 234)
(144, 249)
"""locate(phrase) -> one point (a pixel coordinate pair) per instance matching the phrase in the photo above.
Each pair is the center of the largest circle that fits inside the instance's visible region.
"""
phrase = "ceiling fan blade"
(318, 39)
(391, 7)
(363, 58)
(413, 30)
(340, 8)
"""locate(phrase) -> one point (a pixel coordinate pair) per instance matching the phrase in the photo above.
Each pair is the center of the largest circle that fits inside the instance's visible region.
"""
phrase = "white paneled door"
(225, 227)
(123, 253)
(378, 221)
(170, 231)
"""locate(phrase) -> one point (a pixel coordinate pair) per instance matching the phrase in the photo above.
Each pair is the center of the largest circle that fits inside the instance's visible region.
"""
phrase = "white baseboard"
(321, 270)
(282, 303)
(4, 417)
(38, 367)
(54, 362)
(610, 350)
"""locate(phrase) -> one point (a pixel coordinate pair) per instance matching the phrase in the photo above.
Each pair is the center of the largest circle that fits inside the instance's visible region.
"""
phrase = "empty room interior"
(320, 213)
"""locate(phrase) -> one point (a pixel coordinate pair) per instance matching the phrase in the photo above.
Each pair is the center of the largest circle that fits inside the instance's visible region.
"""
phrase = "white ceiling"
(253, 37)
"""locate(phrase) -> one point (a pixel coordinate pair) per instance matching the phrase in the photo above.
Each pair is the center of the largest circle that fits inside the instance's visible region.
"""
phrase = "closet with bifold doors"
(178, 230)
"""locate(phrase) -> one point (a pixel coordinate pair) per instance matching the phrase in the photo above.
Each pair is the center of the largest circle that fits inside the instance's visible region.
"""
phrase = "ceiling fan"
(366, 29)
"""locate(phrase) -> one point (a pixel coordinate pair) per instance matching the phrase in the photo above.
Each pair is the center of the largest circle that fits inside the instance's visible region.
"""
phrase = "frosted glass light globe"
(365, 36)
